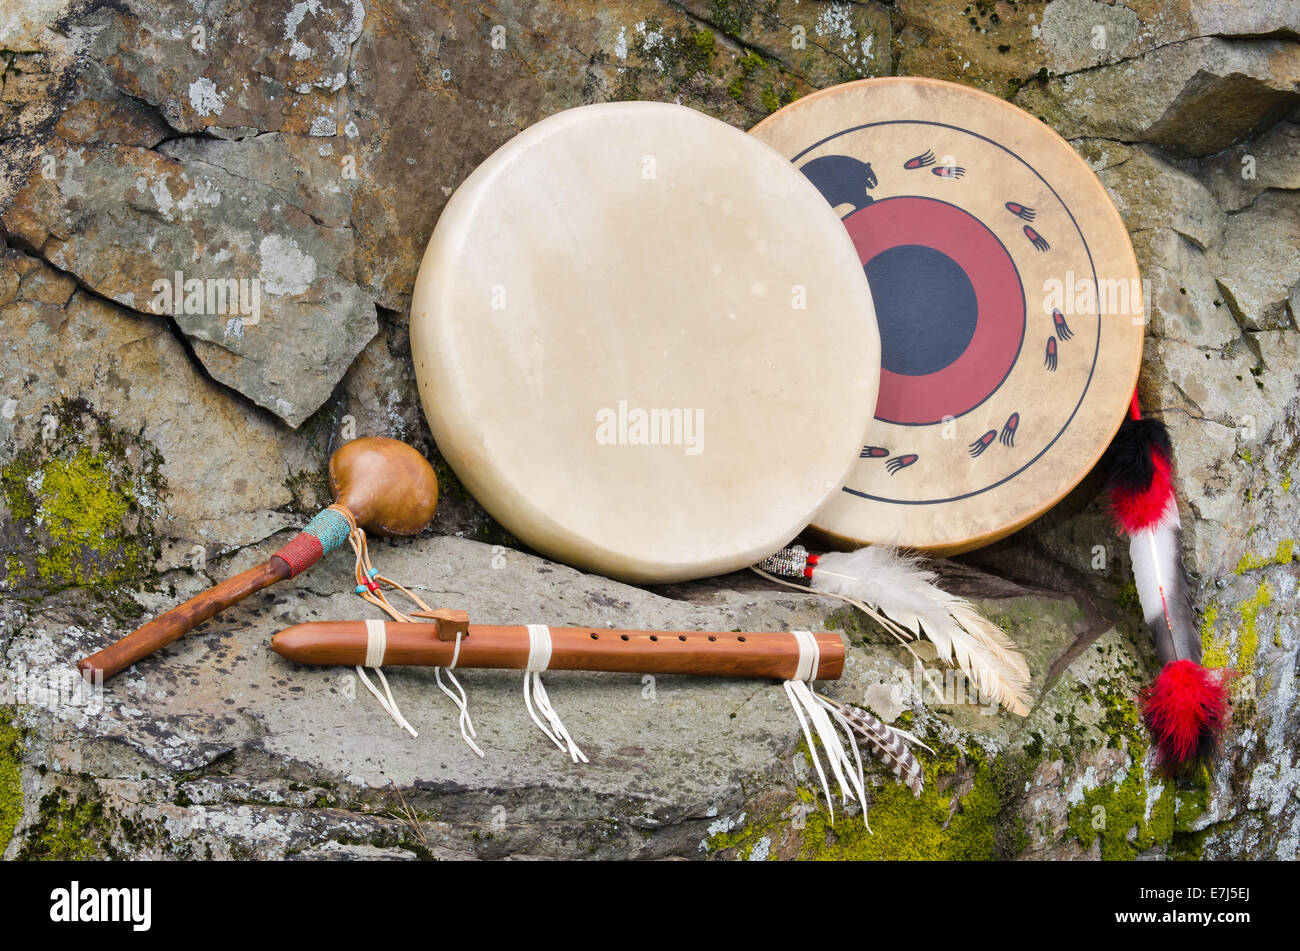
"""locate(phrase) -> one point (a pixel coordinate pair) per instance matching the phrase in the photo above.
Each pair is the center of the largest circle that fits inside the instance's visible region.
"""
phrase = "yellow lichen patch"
(81, 510)
(1235, 650)
(1248, 642)
(1215, 648)
(1284, 555)
(11, 788)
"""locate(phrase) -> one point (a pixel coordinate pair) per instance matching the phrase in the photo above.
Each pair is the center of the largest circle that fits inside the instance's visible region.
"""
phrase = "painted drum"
(1006, 294)
(628, 330)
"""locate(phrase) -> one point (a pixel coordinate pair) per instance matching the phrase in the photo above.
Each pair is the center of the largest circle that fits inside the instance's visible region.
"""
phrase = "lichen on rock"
(11, 785)
(81, 502)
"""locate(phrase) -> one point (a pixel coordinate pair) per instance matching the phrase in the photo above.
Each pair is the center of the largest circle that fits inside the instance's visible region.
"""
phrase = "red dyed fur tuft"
(1142, 509)
(1185, 709)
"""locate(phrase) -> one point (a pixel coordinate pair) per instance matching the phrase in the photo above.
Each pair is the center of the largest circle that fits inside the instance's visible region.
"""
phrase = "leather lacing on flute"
(816, 714)
(539, 658)
(368, 586)
(376, 645)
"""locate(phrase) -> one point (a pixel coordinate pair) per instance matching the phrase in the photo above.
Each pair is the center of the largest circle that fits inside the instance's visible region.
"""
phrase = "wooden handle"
(773, 654)
(181, 619)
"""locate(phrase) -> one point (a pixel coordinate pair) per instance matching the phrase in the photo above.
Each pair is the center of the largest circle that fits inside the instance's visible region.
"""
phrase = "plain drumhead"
(643, 342)
(974, 222)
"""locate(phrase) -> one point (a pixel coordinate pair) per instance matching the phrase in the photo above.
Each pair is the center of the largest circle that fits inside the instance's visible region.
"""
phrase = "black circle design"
(926, 308)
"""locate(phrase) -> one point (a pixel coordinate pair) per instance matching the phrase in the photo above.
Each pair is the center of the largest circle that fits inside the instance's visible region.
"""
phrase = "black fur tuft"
(1127, 463)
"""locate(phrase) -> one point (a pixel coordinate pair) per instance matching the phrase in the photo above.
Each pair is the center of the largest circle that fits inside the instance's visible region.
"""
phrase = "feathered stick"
(900, 593)
(1186, 707)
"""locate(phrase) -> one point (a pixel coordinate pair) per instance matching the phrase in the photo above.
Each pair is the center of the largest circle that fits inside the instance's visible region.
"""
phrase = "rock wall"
(147, 451)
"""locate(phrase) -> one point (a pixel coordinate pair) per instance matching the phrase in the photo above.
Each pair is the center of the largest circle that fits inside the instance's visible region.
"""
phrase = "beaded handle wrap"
(792, 562)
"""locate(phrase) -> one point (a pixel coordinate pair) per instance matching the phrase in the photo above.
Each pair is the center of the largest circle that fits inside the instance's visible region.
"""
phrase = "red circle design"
(1000, 299)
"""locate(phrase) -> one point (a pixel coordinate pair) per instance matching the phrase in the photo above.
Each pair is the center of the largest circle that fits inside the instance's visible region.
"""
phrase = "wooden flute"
(769, 654)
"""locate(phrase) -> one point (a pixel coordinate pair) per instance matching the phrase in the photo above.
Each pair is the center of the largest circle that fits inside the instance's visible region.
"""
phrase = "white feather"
(898, 586)
(1162, 587)
(1151, 552)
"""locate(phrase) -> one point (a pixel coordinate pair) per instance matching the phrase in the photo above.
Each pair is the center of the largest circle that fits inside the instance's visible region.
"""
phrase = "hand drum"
(644, 342)
(1007, 297)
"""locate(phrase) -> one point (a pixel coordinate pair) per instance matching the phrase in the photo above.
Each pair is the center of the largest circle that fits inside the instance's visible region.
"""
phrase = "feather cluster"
(1140, 475)
(884, 743)
(1186, 708)
(898, 586)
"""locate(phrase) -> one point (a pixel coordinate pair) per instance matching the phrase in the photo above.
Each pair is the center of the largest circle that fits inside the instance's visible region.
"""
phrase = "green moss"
(678, 56)
(310, 490)
(1020, 837)
(743, 839)
(937, 826)
(11, 787)
(1238, 653)
(1127, 597)
(15, 571)
(66, 828)
(849, 620)
(749, 64)
(1192, 800)
(1109, 812)
(80, 502)
(953, 824)
(1120, 721)
(705, 44)
(775, 96)
(1133, 815)
(733, 16)
(13, 485)
(1034, 746)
